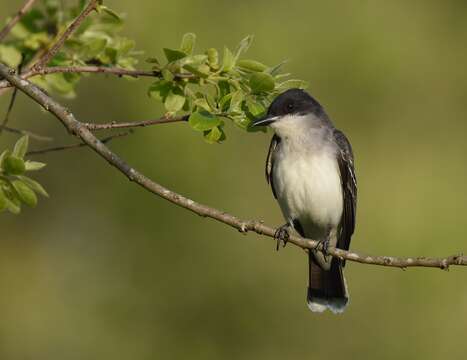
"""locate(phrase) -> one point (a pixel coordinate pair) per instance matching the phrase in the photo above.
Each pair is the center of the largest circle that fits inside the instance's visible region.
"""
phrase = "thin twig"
(116, 125)
(12, 99)
(8, 111)
(26, 132)
(14, 20)
(91, 69)
(78, 129)
(45, 59)
(74, 146)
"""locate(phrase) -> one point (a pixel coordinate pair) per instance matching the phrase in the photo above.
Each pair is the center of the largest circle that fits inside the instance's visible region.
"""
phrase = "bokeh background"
(104, 270)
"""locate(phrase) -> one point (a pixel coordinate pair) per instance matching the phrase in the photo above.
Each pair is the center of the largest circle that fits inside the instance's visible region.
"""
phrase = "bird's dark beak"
(264, 121)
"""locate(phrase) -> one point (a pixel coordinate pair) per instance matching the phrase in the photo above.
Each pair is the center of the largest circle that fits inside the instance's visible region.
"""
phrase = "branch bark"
(79, 129)
(21, 12)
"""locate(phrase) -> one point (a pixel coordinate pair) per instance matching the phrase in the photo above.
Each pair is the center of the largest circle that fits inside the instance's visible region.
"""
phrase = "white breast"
(308, 188)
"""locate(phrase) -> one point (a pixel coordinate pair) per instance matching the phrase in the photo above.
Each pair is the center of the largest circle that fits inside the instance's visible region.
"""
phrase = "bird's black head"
(290, 102)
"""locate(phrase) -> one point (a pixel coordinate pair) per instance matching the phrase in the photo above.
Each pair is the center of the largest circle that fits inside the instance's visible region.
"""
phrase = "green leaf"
(224, 88)
(34, 185)
(194, 60)
(275, 70)
(173, 55)
(201, 70)
(167, 75)
(33, 165)
(20, 31)
(203, 104)
(254, 108)
(261, 82)
(10, 55)
(110, 12)
(124, 46)
(251, 65)
(224, 102)
(243, 46)
(159, 90)
(203, 121)
(242, 121)
(175, 100)
(21, 147)
(108, 56)
(3, 200)
(35, 41)
(3, 155)
(213, 56)
(228, 61)
(291, 84)
(13, 205)
(214, 135)
(236, 101)
(61, 84)
(94, 47)
(13, 165)
(188, 43)
(25, 193)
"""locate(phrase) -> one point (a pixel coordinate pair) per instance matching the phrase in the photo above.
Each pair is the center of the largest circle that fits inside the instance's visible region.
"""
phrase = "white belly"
(308, 188)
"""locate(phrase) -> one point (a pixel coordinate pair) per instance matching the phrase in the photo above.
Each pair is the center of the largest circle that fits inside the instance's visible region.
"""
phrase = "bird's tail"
(326, 289)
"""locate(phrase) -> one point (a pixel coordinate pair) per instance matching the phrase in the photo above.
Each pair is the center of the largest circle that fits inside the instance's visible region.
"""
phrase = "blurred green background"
(104, 270)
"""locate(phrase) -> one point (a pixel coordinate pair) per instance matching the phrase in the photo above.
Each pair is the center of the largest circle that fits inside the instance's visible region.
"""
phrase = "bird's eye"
(290, 106)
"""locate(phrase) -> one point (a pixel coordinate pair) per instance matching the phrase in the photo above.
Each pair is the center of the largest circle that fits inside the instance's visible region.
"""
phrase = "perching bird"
(310, 167)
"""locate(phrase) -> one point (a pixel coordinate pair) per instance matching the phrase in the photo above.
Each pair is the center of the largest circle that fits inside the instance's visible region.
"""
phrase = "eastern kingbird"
(310, 168)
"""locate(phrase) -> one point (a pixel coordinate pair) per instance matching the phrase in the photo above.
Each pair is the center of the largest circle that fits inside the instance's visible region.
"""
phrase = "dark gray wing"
(349, 189)
(270, 161)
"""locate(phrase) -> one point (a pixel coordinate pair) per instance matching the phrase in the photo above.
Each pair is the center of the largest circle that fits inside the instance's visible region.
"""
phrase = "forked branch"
(81, 130)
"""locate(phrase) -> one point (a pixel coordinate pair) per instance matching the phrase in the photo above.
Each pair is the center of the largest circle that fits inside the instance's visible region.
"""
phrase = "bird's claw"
(282, 234)
(323, 245)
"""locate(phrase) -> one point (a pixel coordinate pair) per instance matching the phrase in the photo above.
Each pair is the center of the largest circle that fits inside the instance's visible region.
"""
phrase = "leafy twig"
(24, 9)
(78, 129)
(89, 69)
(74, 146)
(45, 59)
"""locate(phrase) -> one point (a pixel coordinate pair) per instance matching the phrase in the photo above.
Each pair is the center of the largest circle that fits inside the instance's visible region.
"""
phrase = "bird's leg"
(282, 234)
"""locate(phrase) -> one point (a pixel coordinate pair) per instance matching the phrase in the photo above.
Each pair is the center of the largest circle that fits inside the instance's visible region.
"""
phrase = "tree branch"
(78, 129)
(24, 9)
(26, 132)
(115, 125)
(74, 146)
(8, 111)
(45, 59)
(90, 69)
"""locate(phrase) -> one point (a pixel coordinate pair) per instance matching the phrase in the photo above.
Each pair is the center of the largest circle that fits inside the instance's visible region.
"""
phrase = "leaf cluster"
(15, 187)
(212, 88)
(96, 42)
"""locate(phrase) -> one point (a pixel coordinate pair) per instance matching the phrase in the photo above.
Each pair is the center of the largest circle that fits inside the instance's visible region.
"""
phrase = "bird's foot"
(282, 234)
(323, 245)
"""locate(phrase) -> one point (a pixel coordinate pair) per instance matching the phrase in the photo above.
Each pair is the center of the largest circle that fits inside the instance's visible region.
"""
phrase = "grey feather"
(270, 162)
(349, 189)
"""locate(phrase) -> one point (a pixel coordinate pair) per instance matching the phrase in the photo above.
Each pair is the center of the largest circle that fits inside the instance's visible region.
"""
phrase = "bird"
(310, 168)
